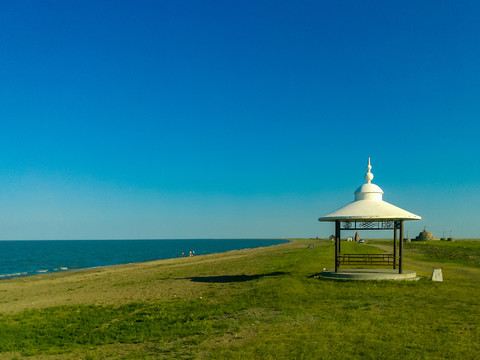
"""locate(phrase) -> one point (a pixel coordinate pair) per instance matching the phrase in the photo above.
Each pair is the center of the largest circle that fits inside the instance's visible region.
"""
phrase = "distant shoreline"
(38, 257)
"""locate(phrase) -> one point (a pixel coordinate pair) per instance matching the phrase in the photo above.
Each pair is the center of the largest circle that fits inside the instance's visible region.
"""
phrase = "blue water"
(23, 258)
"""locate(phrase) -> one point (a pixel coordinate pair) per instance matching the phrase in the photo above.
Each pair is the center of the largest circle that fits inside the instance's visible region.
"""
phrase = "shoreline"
(164, 280)
(65, 269)
(62, 269)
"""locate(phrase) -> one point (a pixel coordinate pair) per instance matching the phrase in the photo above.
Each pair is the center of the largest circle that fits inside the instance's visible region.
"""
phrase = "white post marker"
(437, 274)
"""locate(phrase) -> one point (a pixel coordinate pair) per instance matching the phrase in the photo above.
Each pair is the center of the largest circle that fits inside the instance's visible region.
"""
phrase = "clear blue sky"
(196, 119)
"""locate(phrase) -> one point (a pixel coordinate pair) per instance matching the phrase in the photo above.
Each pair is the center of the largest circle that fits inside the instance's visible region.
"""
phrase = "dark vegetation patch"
(55, 329)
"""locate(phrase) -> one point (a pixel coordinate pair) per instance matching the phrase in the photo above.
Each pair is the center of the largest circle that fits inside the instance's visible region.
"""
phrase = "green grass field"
(264, 303)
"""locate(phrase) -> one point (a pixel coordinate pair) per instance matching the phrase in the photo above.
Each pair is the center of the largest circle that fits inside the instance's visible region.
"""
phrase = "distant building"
(425, 236)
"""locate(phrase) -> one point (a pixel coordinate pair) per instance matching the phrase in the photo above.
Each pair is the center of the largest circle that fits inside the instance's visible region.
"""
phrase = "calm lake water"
(23, 258)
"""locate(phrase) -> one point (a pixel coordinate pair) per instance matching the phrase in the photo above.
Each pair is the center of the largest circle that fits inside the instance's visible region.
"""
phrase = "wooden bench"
(366, 259)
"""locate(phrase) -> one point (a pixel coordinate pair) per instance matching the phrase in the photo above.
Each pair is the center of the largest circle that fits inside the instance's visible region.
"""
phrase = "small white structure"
(437, 274)
(368, 211)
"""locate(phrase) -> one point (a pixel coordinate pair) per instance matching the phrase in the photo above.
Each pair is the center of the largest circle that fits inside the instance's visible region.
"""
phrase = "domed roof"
(369, 205)
(367, 191)
(425, 235)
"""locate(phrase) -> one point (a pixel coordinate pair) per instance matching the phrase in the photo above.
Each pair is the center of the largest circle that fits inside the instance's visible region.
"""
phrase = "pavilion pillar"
(337, 243)
(400, 249)
(339, 239)
(395, 245)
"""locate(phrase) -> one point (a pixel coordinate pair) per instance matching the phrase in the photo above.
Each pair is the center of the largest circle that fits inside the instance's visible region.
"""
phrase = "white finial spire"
(369, 175)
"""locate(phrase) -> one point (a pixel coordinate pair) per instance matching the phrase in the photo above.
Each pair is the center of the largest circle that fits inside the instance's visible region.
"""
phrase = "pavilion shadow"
(232, 278)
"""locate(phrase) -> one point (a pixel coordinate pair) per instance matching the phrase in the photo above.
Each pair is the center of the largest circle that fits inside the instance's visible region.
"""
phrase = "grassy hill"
(263, 303)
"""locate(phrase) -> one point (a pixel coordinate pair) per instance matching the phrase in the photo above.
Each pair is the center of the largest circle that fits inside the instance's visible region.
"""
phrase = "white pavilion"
(368, 211)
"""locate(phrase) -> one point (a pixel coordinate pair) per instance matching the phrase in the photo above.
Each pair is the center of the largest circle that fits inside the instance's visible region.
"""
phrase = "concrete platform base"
(369, 274)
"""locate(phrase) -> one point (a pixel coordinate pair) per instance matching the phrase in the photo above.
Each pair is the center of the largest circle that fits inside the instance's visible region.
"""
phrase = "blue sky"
(197, 119)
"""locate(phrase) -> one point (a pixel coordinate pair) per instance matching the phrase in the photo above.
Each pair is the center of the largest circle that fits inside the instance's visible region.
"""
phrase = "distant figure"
(191, 255)
(183, 254)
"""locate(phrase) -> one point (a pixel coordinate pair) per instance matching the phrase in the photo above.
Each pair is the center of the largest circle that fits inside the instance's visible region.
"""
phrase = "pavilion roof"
(369, 205)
